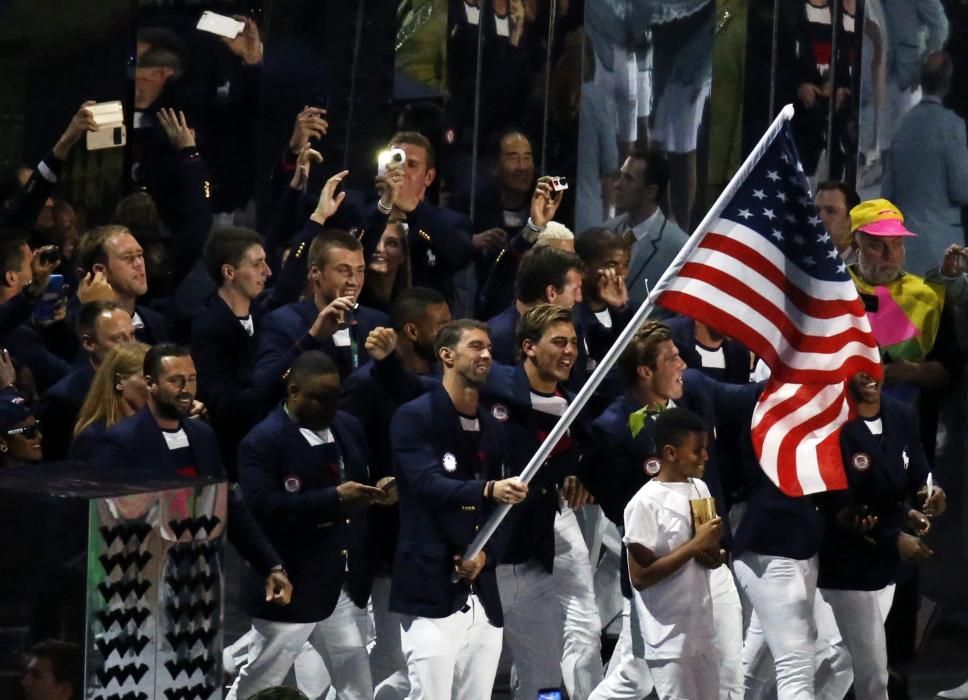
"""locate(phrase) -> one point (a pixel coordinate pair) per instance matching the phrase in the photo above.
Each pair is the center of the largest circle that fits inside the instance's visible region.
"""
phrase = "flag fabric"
(766, 272)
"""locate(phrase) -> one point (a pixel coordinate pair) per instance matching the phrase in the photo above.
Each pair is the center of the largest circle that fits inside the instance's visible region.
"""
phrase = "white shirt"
(247, 324)
(674, 618)
(640, 231)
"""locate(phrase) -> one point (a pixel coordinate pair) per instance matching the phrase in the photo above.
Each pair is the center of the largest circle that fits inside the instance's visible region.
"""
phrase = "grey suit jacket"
(926, 176)
(651, 255)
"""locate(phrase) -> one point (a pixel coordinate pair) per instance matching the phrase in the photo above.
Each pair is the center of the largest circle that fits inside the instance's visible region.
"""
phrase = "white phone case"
(221, 25)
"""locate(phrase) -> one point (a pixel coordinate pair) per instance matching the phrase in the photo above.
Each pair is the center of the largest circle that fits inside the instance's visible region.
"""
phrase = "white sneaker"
(959, 693)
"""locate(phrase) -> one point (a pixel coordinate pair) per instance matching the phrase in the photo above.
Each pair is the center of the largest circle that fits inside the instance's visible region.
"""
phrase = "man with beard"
(303, 471)
(159, 440)
(417, 314)
(449, 455)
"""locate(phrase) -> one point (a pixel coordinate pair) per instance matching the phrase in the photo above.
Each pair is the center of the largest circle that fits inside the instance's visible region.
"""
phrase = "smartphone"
(549, 694)
(221, 25)
(111, 133)
(53, 295)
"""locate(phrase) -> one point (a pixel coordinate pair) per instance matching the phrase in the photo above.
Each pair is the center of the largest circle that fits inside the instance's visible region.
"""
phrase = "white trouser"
(861, 622)
(728, 622)
(309, 673)
(451, 657)
(532, 627)
(338, 639)
(628, 677)
(605, 554)
(387, 665)
(834, 675)
(691, 678)
(781, 591)
(581, 660)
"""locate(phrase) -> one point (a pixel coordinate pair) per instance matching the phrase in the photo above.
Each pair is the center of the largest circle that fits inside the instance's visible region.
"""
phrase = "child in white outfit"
(669, 564)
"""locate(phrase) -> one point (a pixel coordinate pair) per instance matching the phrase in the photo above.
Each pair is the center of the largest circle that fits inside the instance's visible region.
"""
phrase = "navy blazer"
(532, 522)
(136, 445)
(736, 355)
(224, 356)
(284, 336)
(503, 335)
(155, 329)
(441, 511)
(294, 499)
(439, 243)
(883, 473)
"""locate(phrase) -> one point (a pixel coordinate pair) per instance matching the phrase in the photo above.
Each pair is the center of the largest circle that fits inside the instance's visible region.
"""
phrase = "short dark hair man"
(641, 186)
(330, 320)
(545, 276)
(834, 200)
(448, 453)
(55, 671)
(224, 335)
(303, 470)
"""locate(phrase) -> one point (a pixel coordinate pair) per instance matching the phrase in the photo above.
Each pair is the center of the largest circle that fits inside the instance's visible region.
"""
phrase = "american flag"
(766, 272)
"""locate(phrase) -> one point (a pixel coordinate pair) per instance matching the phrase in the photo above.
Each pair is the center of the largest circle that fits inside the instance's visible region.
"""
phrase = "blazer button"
(348, 521)
(343, 552)
(476, 528)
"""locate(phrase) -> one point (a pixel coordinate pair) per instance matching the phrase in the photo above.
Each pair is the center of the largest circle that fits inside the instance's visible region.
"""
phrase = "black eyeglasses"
(28, 431)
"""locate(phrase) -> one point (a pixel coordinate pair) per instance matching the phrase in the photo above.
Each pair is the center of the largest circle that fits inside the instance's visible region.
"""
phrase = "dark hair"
(312, 363)
(540, 267)
(851, 198)
(497, 141)
(89, 313)
(138, 212)
(66, 663)
(12, 255)
(326, 241)
(451, 333)
(536, 320)
(415, 138)
(656, 169)
(90, 250)
(154, 356)
(936, 73)
(673, 425)
(644, 348)
(165, 50)
(412, 303)
(593, 244)
(227, 246)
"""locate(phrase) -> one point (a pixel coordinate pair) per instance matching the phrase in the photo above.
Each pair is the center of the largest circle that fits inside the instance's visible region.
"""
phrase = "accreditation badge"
(450, 462)
(861, 461)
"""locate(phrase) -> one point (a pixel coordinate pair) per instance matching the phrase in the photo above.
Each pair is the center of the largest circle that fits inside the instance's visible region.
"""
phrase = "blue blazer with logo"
(441, 510)
(294, 499)
(883, 473)
(284, 336)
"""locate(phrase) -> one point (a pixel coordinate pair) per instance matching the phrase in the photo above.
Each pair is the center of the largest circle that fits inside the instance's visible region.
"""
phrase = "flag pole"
(611, 357)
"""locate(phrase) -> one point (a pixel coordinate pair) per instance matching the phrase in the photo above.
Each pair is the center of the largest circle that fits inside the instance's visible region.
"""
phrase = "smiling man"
(159, 440)
(448, 455)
